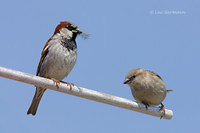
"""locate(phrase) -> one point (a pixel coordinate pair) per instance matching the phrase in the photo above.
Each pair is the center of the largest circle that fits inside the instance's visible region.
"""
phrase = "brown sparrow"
(147, 87)
(57, 59)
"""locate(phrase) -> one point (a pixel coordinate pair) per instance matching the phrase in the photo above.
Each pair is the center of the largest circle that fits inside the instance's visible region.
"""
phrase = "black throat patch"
(70, 44)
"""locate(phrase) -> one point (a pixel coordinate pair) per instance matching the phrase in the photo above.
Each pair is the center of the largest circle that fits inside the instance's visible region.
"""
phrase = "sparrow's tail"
(169, 90)
(36, 100)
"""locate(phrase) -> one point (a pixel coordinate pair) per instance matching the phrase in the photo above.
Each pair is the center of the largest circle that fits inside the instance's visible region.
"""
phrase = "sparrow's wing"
(43, 55)
(153, 73)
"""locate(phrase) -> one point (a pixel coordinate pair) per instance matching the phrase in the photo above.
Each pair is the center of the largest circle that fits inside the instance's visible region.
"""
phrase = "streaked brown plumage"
(147, 87)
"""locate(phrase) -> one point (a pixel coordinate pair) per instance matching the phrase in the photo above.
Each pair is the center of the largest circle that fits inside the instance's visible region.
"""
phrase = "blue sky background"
(124, 35)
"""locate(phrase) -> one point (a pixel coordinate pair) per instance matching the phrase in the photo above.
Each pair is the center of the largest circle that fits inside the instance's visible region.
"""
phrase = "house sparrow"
(147, 87)
(57, 59)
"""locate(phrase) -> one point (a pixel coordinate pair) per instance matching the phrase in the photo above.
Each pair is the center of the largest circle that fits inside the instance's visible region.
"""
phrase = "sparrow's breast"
(59, 61)
(151, 91)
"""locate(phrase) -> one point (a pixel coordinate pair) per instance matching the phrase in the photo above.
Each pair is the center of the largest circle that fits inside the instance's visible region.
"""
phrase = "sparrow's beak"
(126, 81)
(78, 31)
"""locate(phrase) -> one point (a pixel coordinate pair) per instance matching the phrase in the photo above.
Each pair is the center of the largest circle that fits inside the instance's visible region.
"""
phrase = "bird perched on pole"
(57, 59)
(147, 87)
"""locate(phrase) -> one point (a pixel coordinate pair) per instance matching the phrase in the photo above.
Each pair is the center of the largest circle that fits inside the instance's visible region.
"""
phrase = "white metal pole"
(83, 92)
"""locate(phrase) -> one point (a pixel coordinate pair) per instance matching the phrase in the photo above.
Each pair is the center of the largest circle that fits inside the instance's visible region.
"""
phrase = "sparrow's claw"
(56, 81)
(68, 84)
(146, 105)
(162, 109)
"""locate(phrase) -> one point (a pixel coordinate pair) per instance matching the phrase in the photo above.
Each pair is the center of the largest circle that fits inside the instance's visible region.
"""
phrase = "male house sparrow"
(147, 87)
(57, 59)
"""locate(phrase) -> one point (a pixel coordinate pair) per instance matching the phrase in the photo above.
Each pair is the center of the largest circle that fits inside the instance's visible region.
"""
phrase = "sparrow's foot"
(68, 84)
(56, 81)
(162, 109)
(146, 105)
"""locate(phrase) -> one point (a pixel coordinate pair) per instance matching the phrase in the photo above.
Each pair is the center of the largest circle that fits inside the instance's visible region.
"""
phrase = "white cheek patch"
(67, 33)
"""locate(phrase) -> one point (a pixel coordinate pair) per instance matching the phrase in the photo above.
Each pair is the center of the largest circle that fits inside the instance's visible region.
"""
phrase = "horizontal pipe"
(84, 93)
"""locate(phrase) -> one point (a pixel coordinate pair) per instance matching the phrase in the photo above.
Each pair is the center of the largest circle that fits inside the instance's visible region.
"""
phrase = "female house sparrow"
(57, 59)
(147, 87)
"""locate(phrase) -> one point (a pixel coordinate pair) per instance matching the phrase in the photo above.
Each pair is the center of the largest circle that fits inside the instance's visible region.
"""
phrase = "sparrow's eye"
(131, 78)
(71, 27)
